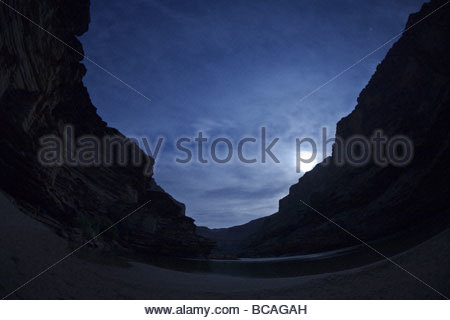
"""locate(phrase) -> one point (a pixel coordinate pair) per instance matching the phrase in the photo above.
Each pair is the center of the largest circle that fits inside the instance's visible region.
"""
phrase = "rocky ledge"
(41, 91)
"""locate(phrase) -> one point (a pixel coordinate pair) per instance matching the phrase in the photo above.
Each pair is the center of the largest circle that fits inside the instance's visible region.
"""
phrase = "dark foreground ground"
(28, 247)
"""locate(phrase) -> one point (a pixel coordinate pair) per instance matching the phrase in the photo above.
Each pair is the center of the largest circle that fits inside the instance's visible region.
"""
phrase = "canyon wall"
(409, 94)
(41, 91)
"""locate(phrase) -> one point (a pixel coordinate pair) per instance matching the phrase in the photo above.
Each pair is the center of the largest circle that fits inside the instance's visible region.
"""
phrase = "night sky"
(227, 68)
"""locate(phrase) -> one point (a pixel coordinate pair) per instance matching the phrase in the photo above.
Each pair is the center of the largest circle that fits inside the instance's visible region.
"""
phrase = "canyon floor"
(28, 247)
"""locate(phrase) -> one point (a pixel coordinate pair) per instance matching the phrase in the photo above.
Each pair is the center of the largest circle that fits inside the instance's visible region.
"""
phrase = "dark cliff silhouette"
(41, 91)
(409, 94)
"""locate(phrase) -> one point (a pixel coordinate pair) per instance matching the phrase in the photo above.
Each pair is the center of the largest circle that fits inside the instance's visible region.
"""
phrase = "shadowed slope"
(409, 94)
(41, 91)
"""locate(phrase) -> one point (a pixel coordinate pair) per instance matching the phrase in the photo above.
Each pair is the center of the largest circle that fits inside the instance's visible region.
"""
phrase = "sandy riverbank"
(28, 247)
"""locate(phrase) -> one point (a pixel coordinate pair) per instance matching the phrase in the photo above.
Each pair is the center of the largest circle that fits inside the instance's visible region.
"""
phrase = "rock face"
(409, 94)
(41, 91)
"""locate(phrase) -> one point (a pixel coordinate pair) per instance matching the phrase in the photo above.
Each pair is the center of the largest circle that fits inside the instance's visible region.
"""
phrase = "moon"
(306, 166)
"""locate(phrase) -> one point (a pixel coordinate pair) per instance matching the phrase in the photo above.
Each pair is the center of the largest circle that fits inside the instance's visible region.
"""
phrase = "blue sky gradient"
(227, 68)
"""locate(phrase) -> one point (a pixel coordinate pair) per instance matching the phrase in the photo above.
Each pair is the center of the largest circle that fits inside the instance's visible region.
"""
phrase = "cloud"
(228, 69)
